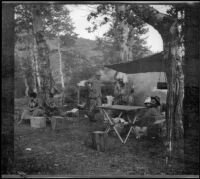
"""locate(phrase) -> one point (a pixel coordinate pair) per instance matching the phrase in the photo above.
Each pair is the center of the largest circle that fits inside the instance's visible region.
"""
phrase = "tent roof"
(152, 63)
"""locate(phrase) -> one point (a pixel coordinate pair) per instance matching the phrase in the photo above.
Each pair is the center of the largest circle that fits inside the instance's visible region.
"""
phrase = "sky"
(79, 14)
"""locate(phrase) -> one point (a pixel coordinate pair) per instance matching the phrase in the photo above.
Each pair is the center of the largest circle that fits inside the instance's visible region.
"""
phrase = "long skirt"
(26, 114)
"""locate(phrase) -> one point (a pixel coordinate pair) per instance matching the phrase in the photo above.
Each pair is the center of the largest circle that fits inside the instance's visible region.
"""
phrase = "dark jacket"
(148, 117)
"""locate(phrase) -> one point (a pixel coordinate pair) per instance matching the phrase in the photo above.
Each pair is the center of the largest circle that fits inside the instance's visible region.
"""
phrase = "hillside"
(81, 55)
(86, 47)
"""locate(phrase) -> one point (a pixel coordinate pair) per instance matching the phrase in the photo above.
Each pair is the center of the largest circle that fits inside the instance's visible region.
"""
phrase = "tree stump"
(99, 140)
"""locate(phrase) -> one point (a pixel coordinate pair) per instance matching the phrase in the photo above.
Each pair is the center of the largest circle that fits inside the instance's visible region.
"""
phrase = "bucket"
(38, 122)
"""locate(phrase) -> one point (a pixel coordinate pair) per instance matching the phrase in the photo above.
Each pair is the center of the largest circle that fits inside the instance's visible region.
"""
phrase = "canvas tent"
(153, 63)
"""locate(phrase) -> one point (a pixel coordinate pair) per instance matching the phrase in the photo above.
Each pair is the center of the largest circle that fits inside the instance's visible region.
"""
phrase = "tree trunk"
(23, 72)
(22, 49)
(28, 58)
(191, 101)
(43, 55)
(126, 50)
(35, 57)
(34, 69)
(60, 64)
(175, 80)
(26, 85)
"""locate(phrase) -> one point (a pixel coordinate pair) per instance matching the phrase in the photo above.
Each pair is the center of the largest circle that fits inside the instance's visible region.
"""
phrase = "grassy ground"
(64, 152)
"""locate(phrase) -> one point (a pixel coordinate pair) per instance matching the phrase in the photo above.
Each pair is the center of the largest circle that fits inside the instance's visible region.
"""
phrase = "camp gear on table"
(120, 123)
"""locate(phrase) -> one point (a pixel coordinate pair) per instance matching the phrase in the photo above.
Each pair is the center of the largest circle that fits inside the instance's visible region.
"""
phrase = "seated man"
(146, 121)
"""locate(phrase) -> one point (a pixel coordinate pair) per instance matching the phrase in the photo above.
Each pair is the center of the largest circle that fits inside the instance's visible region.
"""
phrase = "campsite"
(61, 155)
(100, 90)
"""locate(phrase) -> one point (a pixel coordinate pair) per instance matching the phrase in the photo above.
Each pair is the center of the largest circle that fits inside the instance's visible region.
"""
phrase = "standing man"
(95, 95)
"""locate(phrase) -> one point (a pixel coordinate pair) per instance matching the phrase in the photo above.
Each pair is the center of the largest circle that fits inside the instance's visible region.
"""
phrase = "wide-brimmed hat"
(156, 98)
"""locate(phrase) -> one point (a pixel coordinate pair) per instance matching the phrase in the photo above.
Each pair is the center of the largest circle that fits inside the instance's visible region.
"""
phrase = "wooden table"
(122, 109)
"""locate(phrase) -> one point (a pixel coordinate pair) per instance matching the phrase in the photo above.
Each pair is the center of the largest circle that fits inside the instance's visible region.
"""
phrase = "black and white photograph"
(100, 89)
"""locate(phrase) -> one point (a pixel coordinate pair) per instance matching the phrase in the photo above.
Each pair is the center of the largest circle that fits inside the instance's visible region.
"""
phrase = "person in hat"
(149, 117)
(95, 94)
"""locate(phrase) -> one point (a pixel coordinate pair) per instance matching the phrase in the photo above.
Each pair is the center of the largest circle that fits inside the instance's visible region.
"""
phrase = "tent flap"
(153, 63)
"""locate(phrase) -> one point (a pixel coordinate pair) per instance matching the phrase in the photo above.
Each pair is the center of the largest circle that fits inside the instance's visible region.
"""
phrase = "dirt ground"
(64, 152)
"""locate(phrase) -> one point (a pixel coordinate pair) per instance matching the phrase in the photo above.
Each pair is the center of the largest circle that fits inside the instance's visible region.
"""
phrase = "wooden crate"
(38, 122)
(72, 118)
(58, 122)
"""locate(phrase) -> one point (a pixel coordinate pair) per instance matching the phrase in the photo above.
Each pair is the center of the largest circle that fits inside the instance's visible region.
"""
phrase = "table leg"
(107, 117)
(135, 132)
(128, 134)
(120, 114)
(113, 126)
(132, 127)
(118, 134)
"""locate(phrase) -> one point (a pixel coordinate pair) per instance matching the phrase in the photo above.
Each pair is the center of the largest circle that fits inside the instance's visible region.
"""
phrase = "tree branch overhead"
(161, 22)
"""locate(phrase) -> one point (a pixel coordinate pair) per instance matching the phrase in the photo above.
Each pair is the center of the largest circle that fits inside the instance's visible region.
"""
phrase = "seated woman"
(146, 121)
(51, 107)
(33, 108)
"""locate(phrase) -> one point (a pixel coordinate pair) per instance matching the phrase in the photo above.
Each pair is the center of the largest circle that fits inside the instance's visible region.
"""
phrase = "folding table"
(122, 109)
